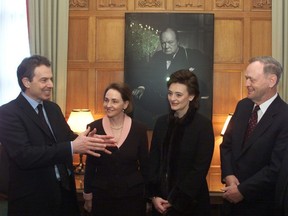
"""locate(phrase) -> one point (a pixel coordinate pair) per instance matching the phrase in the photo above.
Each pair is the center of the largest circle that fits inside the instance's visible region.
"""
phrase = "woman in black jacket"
(181, 152)
(114, 183)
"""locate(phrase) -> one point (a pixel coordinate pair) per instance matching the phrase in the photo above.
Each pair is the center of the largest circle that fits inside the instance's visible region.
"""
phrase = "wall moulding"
(228, 4)
(150, 3)
(78, 4)
(190, 4)
(108, 4)
(261, 5)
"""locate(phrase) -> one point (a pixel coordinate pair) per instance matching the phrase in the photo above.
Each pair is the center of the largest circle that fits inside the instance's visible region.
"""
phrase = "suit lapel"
(261, 127)
(31, 113)
(242, 122)
(263, 124)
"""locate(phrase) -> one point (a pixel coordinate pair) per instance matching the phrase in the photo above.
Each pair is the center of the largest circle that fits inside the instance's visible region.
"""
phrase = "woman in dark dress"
(181, 152)
(114, 184)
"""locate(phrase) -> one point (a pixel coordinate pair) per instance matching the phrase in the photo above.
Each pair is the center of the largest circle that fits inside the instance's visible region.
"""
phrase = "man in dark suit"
(151, 93)
(250, 163)
(40, 153)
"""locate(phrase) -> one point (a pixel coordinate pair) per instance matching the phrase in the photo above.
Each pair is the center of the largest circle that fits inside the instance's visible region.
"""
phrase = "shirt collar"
(264, 106)
(31, 101)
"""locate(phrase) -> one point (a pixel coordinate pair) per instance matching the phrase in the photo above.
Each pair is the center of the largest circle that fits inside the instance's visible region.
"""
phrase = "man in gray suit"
(251, 159)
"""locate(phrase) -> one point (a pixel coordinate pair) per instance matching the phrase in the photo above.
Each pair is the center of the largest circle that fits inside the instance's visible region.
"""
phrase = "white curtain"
(280, 41)
(14, 46)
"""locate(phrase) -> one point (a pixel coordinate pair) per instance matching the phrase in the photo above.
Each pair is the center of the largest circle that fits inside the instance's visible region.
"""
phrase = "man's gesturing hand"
(89, 142)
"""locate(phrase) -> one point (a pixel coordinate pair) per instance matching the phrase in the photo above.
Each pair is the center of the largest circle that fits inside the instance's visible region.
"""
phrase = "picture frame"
(146, 68)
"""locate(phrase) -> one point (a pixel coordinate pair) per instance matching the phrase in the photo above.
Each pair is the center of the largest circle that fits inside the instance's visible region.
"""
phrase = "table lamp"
(78, 120)
(226, 124)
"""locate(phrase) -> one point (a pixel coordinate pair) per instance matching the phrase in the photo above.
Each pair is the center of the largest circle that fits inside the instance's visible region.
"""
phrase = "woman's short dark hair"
(189, 79)
(125, 92)
(27, 68)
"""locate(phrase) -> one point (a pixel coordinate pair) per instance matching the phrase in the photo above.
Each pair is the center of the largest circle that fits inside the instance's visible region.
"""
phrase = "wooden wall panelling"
(261, 34)
(159, 5)
(115, 4)
(261, 5)
(78, 4)
(78, 38)
(78, 88)
(228, 5)
(228, 40)
(110, 39)
(228, 95)
(102, 79)
(196, 5)
(96, 51)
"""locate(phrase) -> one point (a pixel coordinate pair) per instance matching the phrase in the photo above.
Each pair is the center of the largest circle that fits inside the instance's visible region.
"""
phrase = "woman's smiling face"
(179, 98)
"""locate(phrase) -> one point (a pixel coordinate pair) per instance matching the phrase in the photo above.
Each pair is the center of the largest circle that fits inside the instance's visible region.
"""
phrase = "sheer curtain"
(48, 31)
(14, 46)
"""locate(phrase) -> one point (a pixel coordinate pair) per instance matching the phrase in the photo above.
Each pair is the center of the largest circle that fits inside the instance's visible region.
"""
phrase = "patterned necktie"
(252, 121)
(62, 170)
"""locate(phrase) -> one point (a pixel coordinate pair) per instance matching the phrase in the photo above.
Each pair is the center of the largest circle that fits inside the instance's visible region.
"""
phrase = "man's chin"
(47, 97)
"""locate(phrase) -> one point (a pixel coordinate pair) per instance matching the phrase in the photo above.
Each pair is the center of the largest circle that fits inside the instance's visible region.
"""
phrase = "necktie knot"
(39, 106)
(256, 108)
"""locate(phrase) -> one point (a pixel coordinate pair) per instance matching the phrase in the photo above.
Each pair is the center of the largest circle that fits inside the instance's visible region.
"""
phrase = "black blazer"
(33, 153)
(124, 172)
(192, 164)
(256, 164)
(281, 194)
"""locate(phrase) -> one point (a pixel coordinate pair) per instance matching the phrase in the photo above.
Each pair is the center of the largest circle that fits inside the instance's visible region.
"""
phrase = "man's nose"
(50, 84)
(247, 82)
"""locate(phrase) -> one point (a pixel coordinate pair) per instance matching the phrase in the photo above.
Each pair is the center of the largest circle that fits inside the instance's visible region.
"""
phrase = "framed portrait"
(159, 44)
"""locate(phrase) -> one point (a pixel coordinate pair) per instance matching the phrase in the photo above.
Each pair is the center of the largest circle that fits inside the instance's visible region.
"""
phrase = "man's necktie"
(252, 121)
(62, 170)
(43, 120)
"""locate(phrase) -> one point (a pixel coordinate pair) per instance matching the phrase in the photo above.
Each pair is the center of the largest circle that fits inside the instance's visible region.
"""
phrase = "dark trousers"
(33, 205)
(122, 206)
(248, 209)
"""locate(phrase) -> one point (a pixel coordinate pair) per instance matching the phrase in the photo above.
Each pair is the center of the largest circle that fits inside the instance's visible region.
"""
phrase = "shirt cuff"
(87, 196)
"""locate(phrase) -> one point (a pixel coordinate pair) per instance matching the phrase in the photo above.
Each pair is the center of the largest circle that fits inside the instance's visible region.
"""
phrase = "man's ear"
(26, 82)
(272, 80)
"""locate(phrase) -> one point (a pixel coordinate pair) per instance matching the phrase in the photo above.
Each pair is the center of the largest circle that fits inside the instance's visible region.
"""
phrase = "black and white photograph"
(158, 44)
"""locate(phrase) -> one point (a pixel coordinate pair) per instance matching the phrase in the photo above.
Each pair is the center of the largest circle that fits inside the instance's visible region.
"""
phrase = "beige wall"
(96, 50)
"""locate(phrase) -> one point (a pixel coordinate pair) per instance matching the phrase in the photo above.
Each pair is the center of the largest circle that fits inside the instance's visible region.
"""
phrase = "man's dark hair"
(27, 68)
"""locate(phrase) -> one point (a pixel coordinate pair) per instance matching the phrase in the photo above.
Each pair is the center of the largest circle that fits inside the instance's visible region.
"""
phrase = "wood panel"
(110, 39)
(78, 89)
(96, 51)
(228, 95)
(228, 41)
(261, 34)
(78, 38)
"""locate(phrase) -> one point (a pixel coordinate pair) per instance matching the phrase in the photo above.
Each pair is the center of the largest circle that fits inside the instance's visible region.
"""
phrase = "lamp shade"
(226, 124)
(79, 118)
